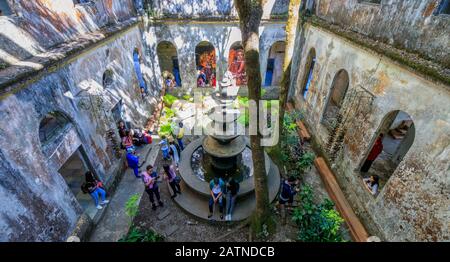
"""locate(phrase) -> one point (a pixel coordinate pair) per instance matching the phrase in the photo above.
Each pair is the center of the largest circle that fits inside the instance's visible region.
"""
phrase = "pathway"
(115, 222)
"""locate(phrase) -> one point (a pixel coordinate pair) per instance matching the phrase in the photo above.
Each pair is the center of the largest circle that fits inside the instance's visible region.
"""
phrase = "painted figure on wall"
(237, 65)
(206, 65)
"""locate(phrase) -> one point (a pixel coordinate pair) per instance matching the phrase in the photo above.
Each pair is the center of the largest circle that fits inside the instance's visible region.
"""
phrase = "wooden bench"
(302, 131)
(357, 230)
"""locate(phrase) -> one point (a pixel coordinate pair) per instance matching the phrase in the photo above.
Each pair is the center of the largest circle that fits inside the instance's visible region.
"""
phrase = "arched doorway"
(336, 98)
(308, 72)
(236, 64)
(53, 129)
(205, 59)
(390, 144)
(137, 68)
(168, 62)
(275, 62)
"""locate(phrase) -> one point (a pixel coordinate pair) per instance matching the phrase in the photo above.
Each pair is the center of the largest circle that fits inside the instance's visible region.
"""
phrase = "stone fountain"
(223, 152)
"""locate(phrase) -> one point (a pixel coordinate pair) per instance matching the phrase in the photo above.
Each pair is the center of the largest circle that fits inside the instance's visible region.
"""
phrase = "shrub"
(306, 161)
(165, 129)
(317, 222)
(186, 97)
(243, 101)
(244, 119)
(136, 235)
(168, 113)
(132, 207)
(169, 99)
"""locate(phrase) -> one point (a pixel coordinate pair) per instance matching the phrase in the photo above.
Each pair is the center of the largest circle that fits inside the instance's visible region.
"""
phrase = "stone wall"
(37, 204)
(36, 26)
(413, 205)
(212, 9)
(407, 24)
(221, 35)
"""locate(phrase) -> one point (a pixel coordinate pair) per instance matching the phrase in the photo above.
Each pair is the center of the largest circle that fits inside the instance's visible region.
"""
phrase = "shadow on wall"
(45, 24)
(194, 8)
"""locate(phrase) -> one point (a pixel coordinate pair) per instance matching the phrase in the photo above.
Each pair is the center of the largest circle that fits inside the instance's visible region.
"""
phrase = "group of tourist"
(171, 152)
(218, 189)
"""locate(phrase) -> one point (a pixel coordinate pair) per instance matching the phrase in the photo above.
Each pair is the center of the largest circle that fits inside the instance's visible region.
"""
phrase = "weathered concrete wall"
(211, 9)
(413, 205)
(407, 24)
(36, 203)
(221, 35)
(39, 25)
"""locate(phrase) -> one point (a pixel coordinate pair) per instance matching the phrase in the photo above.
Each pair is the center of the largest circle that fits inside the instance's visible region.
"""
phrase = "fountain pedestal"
(225, 150)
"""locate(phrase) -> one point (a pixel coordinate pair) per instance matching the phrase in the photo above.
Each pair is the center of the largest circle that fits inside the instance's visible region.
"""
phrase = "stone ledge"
(31, 69)
(415, 62)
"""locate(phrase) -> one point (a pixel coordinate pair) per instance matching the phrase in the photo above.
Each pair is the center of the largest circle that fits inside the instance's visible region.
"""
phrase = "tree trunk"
(250, 12)
(291, 27)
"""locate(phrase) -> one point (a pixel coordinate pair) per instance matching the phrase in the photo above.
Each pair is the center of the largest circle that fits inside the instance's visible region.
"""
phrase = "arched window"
(390, 144)
(4, 8)
(108, 78)
(275, 62)
(236, 63)
(443, 8)
(168, 62)
(205, 59)
(308, 72)
(51, 126)
(338, 91)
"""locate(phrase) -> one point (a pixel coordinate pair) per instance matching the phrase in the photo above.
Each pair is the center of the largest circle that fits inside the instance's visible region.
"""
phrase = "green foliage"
(132, 207)
(168, 112)
(165, 129)
(243, 101)
(186, 97)
(169, 99)
(306, 160)
(263, 92)
(3, 65)
(317, 222)
(136, 235)
(244, 119)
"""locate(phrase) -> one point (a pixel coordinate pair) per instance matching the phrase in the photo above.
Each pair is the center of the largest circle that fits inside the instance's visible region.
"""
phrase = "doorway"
(73, 171)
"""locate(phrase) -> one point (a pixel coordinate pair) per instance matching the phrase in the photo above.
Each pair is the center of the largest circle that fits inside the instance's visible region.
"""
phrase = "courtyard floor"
(176, 224)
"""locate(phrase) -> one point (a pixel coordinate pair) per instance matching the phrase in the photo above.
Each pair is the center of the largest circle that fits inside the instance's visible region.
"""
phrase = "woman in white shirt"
(372, 184)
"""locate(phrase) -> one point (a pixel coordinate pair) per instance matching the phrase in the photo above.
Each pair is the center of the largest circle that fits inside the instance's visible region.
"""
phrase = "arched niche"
(274, 70)
(308, 72)
(168, 62)
(336, 98)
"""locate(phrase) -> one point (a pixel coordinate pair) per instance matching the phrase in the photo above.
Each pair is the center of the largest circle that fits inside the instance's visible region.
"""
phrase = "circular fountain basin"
(196, 183)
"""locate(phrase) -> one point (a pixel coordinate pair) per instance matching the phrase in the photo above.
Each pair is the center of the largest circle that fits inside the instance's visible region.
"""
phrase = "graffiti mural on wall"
(236, 64)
